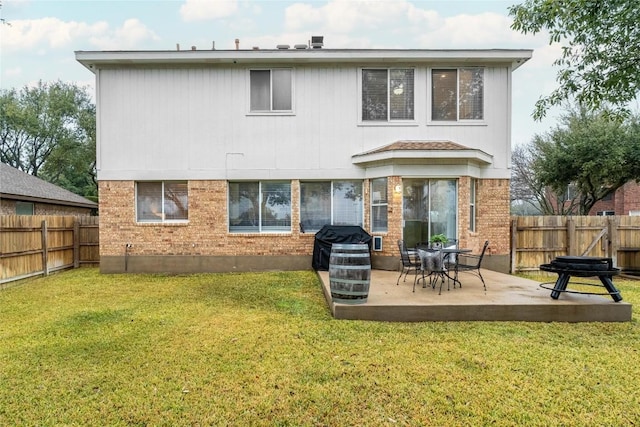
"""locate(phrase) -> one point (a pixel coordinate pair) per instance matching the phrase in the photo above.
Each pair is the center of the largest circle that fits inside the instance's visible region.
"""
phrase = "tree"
(599, 62)
(49, 131)
(588, 153)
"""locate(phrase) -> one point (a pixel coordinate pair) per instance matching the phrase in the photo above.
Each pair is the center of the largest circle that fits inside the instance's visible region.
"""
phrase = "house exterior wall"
(192, 123)
(204, 243)
(8, 207)
(624, 201)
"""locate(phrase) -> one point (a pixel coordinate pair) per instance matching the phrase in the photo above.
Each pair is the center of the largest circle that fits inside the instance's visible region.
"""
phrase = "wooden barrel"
(349, 273)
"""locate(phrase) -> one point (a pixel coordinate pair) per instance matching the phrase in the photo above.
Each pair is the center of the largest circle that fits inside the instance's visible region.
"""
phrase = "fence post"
(613, 241)
(514, 244)
(571, 236)
(45, 251)
(76, 243)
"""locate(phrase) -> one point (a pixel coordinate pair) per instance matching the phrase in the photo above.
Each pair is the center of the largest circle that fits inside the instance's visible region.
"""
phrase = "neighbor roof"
(17, 185)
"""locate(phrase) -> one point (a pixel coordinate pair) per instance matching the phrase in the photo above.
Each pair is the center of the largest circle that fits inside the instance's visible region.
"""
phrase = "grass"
(83, 349)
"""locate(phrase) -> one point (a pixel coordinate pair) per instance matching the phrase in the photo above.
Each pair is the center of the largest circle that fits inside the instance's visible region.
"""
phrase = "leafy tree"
(601, 41)
(49, 131)
(588, 153)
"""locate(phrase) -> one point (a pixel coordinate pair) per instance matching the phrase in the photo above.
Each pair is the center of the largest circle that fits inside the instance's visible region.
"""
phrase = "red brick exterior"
(8, 207)
(206, 232)
(624, 200)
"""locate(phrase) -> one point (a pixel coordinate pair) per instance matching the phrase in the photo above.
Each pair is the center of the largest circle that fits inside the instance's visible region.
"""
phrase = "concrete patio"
(508, 298)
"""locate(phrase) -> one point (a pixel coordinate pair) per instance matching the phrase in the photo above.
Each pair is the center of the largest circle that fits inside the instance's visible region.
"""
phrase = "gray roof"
(18, 185)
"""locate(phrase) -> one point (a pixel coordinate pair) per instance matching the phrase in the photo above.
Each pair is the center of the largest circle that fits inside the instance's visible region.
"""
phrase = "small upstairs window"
(271, 90)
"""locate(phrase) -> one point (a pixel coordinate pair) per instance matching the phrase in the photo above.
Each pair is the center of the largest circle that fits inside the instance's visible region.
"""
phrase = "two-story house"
(232, 160)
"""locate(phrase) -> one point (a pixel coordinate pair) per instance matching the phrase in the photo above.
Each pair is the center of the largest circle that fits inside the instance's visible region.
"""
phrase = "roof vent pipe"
(237, 44)
(213, 45)
(177, 46)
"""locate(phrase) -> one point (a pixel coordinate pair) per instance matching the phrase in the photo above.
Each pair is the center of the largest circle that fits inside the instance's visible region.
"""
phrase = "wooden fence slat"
(32, 245)
(45, 254)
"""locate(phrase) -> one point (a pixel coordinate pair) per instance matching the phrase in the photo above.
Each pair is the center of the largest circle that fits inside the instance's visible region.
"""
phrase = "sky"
(42, 35)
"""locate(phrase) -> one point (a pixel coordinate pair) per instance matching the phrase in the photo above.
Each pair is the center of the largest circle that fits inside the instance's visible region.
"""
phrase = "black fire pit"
(582, 266)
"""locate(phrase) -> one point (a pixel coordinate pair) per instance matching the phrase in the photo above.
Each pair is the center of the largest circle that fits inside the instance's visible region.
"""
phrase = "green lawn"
(81, 348)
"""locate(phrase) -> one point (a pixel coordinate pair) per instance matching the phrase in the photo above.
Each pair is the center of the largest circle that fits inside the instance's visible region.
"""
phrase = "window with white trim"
(330, 202)
(457, 94)
(472, 204)
(387, 94)
(162, 201)
(271, 90)
(260, 207)
(379, 205)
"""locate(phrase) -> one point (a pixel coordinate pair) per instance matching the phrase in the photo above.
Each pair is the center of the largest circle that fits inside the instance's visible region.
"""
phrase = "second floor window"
(457, 94)
(387, 95)
(271, 90)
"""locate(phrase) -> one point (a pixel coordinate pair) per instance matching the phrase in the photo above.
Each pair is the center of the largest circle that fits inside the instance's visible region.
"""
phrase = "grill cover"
(330, 234)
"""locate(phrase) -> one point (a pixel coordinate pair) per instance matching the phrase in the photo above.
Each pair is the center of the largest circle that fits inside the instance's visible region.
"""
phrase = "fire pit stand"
(581, 266)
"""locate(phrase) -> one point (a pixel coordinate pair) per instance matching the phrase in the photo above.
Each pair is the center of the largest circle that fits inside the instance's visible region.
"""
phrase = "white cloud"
(46, 32)
(202, 10)
(12, 72)
(40, 35)
(343, 16)
(132, 34)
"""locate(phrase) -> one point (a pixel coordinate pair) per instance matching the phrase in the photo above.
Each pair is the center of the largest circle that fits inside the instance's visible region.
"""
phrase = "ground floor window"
(24, 208)
(379, 205)
(162, 201)
(330, 202)
(256, 207)
(430, 206)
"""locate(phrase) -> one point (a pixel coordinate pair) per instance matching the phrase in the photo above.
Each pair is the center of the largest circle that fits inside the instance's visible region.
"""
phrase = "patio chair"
(409, 263)
(471, 263)
(432, 262)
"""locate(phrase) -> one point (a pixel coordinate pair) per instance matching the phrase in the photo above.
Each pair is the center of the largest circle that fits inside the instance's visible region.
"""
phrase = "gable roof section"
(411, 150)
(18, 185)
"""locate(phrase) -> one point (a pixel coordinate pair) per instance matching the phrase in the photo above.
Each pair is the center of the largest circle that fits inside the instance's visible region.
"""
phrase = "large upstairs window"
(387, 95)
(457, 94)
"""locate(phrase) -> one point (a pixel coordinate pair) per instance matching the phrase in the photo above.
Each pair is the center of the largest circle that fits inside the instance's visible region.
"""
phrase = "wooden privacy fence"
(40, 244)
(537, 240)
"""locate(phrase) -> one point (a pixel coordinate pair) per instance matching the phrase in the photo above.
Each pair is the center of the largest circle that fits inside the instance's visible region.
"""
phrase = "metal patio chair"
(471, 263)
(409, 263)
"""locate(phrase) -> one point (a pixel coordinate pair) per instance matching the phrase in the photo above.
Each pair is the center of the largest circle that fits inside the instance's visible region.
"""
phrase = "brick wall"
(493, 210)
(8, 207)
(206, 232)
(625, 199)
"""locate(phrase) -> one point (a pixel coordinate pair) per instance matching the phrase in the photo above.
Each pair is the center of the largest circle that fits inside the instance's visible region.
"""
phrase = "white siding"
(193, 123)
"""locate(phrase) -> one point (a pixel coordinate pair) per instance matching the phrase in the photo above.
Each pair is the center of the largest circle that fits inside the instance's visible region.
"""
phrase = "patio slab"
(507, 298)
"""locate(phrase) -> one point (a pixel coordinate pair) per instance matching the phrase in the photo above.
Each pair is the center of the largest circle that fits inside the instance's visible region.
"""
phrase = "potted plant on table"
(438, 240)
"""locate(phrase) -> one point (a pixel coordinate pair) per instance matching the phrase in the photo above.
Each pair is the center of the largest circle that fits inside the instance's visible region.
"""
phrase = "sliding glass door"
(429, 207)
